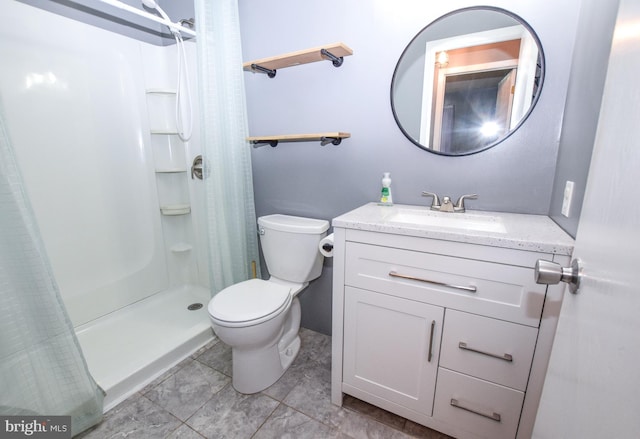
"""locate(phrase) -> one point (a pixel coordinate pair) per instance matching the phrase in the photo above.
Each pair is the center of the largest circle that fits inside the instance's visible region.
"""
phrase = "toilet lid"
(248, 301)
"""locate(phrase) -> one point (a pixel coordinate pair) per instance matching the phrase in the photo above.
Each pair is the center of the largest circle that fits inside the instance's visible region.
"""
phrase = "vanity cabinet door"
(391, 348)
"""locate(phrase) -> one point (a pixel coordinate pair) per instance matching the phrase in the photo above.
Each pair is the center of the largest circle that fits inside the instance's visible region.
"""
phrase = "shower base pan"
(129, 348)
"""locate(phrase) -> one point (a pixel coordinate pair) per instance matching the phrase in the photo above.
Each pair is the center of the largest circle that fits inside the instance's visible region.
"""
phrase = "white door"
(592, 388)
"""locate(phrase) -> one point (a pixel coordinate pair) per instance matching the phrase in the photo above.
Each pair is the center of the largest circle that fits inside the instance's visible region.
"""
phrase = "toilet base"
(255, 369)
(272, 365)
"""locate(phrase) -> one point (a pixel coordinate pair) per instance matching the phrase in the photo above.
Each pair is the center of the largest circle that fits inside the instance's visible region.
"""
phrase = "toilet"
(260, 319)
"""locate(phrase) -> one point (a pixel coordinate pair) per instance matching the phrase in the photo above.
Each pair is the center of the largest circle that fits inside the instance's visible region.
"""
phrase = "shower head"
(152, 4)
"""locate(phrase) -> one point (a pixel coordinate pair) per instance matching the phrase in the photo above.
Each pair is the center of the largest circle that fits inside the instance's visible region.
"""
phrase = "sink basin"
(461, 221)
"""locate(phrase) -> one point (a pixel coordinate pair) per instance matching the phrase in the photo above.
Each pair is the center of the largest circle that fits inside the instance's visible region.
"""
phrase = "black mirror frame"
(540, 80)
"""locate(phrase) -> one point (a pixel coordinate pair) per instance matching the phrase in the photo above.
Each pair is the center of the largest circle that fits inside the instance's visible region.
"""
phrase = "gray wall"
(306, 179)
(588, 71)
(309, 180)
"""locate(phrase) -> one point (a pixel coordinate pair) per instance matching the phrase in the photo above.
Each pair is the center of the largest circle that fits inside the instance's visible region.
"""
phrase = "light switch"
(566, 199)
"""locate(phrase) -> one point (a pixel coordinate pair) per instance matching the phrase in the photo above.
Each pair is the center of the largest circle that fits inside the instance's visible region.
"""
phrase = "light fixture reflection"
(490, 129)
(442, 59)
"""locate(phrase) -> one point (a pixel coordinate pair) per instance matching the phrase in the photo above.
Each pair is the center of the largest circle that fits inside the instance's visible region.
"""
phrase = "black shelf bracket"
(270, 72)
(336, 61)
(333, 140)
(272, 143)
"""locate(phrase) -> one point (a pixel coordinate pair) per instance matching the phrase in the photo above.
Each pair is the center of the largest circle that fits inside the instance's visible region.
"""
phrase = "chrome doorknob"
(551, 273)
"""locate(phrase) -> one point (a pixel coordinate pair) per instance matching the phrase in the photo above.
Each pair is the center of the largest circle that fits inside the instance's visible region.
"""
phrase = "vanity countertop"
(498, 229)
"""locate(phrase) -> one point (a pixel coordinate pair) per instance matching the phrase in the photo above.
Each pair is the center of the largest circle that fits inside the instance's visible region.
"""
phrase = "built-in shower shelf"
(175, 209)
(181, 247)
(170, 170)
(165, 132)
(161, 91)
(324, 138)
(330, 52)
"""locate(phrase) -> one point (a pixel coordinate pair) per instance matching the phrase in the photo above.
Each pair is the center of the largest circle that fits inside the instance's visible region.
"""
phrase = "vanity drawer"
(497, 290)
(484, 409)
(494, 350)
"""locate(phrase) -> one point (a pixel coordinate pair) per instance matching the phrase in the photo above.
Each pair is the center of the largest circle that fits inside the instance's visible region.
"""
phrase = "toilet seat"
(249, 303)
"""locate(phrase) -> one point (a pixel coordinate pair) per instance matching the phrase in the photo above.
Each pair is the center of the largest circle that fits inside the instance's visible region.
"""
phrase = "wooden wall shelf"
(331, 52)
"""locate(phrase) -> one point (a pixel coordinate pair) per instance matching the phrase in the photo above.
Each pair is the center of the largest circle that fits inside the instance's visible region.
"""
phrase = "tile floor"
(195, 399)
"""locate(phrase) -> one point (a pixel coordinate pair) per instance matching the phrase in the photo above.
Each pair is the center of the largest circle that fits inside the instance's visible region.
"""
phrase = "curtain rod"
(149, 16)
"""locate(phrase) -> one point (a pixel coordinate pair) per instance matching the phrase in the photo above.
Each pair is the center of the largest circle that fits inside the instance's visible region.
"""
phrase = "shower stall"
(91, 116)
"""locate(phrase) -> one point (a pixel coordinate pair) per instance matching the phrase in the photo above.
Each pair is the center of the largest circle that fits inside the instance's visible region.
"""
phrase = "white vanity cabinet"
(382, 329)
(445, 326)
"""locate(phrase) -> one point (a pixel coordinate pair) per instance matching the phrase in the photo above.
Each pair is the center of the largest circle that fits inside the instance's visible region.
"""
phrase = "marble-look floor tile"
(208, 346)
(184, 432)
(299, 370)
(316, 347)
(287, 423)
(188, 389)
(359, 426)
(135, 418)
(218, 357)
(166, 375)
(422, 432)
(312, 396)
(232, 415)
(381, 415)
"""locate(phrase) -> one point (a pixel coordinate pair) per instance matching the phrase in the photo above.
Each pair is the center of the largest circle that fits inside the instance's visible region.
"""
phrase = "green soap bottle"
(385, 193)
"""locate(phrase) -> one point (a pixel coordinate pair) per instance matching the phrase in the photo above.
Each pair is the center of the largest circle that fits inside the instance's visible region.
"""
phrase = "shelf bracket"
(270, 73)
(336, 61)
(327, 140)
(272, 143)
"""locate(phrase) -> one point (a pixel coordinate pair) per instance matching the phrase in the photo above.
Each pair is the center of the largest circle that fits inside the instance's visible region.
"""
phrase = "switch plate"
(566, 199)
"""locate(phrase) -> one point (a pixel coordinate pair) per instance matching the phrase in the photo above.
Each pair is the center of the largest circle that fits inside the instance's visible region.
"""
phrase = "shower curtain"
(42, 370)
(232, 235)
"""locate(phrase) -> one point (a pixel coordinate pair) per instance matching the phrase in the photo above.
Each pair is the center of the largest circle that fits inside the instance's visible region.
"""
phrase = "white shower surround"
(75, 103)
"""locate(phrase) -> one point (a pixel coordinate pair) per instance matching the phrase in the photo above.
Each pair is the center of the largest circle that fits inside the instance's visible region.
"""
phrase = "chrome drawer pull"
(458, 287)
(494, 416)
(505, 357)
(433, 326)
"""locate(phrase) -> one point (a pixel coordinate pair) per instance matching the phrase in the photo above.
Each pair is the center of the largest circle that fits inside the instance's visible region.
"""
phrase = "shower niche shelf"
(165, 132)
(334, 138)
(170, 170)
(181, 247)
(175, 209)
(161, 91)
(331, 52)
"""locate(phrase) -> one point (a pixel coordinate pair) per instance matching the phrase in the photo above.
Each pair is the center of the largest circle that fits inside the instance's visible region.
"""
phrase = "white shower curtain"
(42, 370)
(233, 240)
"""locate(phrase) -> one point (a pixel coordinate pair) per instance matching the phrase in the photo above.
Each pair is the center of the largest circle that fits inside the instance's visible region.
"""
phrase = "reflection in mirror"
(467, 81)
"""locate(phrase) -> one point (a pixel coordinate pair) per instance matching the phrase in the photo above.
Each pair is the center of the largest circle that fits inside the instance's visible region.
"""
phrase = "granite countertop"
(498, 229)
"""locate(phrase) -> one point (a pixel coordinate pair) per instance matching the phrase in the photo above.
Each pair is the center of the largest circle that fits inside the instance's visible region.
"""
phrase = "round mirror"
(467, 81)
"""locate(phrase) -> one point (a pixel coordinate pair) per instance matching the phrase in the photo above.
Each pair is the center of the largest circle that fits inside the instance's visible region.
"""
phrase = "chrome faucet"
(447, 205)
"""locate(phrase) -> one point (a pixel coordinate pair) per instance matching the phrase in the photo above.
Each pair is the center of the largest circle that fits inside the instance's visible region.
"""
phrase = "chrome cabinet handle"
(493, 416)
(505, 357)
(434, 282)
(433, 326)
(551, 273)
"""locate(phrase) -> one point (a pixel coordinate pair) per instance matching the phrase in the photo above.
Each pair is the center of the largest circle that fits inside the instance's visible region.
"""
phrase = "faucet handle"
(436, 199)
(459, 207)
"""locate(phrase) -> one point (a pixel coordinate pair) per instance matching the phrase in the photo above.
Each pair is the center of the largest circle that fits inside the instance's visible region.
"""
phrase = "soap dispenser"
(385, 194)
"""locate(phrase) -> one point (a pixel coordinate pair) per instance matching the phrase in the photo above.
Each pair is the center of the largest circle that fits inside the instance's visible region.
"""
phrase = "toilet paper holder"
(325, 246)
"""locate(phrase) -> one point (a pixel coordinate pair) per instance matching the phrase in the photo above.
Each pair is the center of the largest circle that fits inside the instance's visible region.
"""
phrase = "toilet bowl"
(260, 319)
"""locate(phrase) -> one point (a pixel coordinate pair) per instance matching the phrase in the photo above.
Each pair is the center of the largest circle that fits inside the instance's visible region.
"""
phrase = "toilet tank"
(290, 246)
